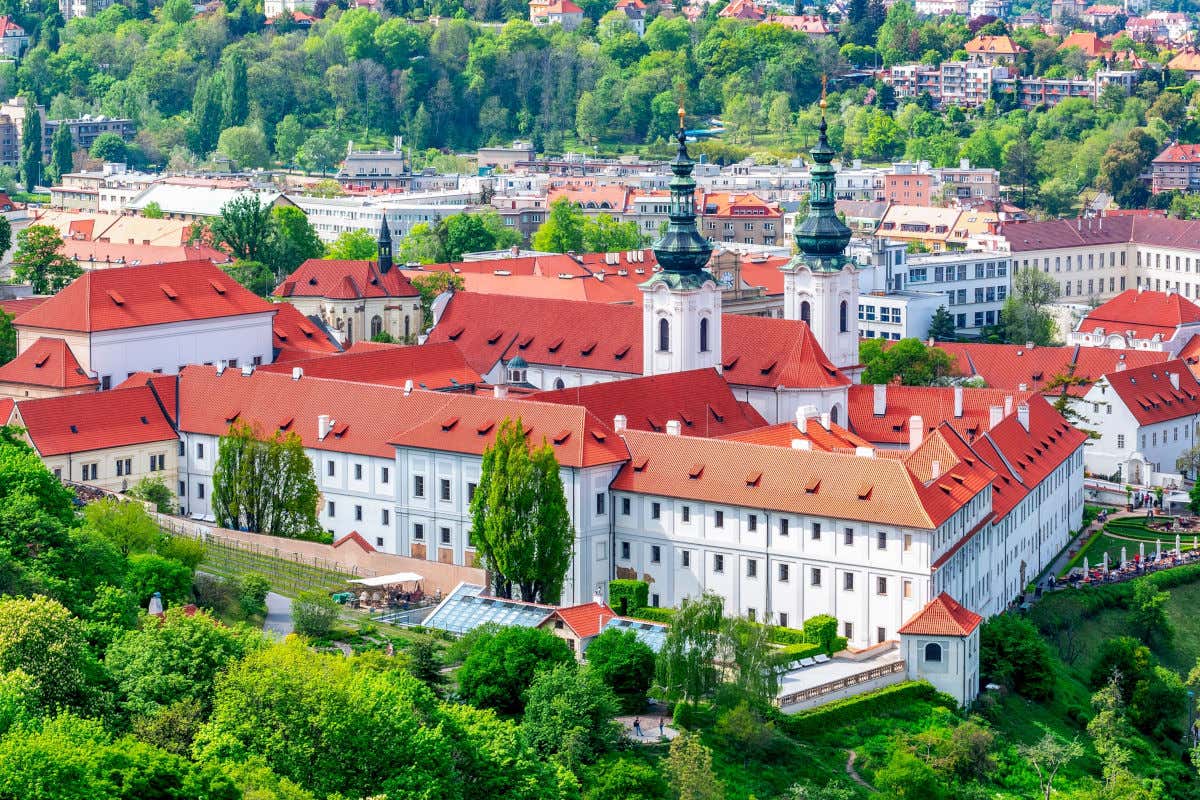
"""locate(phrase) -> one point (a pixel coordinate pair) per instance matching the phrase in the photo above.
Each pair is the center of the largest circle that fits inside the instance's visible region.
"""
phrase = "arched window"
(805, 312)
(349, 330)
(407, 328)
(704, 335)
(559, 384)
(376, 325)
(842, 317)
(933, 652)
(664, 336)
(833, 415)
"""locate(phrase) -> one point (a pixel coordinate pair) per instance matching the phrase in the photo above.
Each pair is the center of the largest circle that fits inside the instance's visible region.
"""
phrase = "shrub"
(186, 551)
(795, 652)
(155, 490)
(822, 630)
(149, 573)
(906, 776)
(625, 664)
(626, 596)
(1012, 654)
(888, 702)
(781, 635)
(664, 615)
(501, 667)
(252, 595)
(214, 592)
(314, 614)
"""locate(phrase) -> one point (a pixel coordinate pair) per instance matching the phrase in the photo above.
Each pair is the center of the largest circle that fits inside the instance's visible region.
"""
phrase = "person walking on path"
(661, 724)
(637, 727)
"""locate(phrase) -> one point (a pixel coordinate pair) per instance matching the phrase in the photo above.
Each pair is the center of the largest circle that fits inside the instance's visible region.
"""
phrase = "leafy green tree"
(152, 210)
(285, 505)
(62, 152)
(31, 145)
(149, 573)
(689, 767)
(502, 666)
(254, 275)
(520, 525)
(109, 147)
(1158, 706)
(603, 234)
(1013, 654)
(5, 235)
(426, 665)
(295, 238)
(941, 326)
(625, 664)
(237, 101)
(1026, 316)
(289, 136)
(432, 285)
(125, 524)
(1047, 756)
(355, 245)
(625, 779)
(320, 721)
(569, 714)
(1148, 615)
(906, 776)
(466, 233)
(563, 229)
(177, 11)
(321, 151)
(178, 658)
(420, 245)
(315, 613)
(154, 490)
(745, 732)
(686, 667)
(1124, 657)
(8, 338)
(206, 115)
(39, 263)
(913, 361)
(252, 595)
(245, 228)
(245, 146)
(41, 638)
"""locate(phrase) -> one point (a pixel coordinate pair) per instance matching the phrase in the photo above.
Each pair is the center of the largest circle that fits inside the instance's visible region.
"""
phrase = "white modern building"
(333, 216)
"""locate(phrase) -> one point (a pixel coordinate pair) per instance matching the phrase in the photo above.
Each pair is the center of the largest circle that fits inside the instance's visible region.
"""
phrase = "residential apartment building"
(974, 285)
(745, 219)
(994, 50)
(333, 216)
(1176, 168)
(965, 182)
(387, 170)
(906, 186)
(86, 130)
(82, 8)
(107, 190)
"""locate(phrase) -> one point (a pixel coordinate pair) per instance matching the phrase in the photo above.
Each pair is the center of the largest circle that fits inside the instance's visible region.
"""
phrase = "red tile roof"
(134, 297)
(47, 362)
(1150, 395)
(1142, 312)
(994, 45)
(585, 620)
(835, 440)
(356, 538)
(20, 305)
(871, 489)
(1008, 366)
(1159, 231)
(117, 254)
(468, 424)
(297, 337)
(9, 27)
(1087, 41)
(166, 388)
(756, 351)
(344, 280)
(942, 616)
(1179, 153)
(933, 404)
(700, 400)
(430, 366)
(77, 423)
(737, 204)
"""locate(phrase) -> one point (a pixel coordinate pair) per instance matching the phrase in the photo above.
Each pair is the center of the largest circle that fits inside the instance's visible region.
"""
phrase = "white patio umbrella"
(1123, 559)
(1142, 551)
(1105, 562)
(1086, 567)
(1157, 549)
(1178, 549)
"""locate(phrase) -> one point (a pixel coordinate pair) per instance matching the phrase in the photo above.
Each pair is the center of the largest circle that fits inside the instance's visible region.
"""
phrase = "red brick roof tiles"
(165, 387)
(835, 440)
(18, 306)
(585, 620)
(933, 404)
(47, 362)
(1154, 230)
(430, 366)
(700, 400)
(1008, 366)
(97, 420)
(1145, 313)
(1150, 395)
(133, 297)
(344, 280)
(942, 616)
(296, 337)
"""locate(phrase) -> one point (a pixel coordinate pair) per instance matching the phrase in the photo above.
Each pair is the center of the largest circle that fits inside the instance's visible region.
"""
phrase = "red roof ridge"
(942, 616)
(356, 538)
(585, 620)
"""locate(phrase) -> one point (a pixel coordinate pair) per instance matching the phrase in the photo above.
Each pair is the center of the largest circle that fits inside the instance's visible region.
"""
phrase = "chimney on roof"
(297, 373)
(1008, 405)
(864, 452)
(802, 415)
(1141, 288)
(674, 427)
(1120, 366)
(324, 424)
(515, 251)
(801, 444)
(930, 342)
(958, 402)
(916, 431)
(1030, 345)
(935, 470)
(1022, 387)
(995, 415)
(880, 399)
(500, 391)
(1023, 416)
(247, 370)
(1174, 378)
(408, 387)
(620, 423)
(825, 420)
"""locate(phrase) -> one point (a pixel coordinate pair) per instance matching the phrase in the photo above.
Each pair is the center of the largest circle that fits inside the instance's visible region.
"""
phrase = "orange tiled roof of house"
(1143, 313)
(586, 620)
(47, 362)
(743, 9)
(942, 616)
(93, 421)
(1087, 41)
(1187, 61)
(737, 204)
(994, 45)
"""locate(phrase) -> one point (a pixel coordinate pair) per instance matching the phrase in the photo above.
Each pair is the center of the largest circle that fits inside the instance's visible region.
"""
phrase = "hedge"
(626, 596)
(1052, 612)
(781, 635)
(794, 652)
(650, 614)
(889, 701)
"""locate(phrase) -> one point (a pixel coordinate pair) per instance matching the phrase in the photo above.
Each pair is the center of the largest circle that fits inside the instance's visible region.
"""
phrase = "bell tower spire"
(681, 312)
(384, 245)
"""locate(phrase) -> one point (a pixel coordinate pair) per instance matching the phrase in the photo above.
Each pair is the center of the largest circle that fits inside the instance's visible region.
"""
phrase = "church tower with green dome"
(681, 310)
(820, 284)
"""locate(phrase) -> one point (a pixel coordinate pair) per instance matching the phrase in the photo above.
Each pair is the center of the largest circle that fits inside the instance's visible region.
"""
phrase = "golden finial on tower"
(823, 79)
(681, 115)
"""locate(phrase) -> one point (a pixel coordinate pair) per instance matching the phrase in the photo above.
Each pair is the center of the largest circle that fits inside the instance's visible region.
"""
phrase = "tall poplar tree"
(31, 145)
(207, 113)
(237, 99)
(265, 485)
(62, 151)
(520, 525)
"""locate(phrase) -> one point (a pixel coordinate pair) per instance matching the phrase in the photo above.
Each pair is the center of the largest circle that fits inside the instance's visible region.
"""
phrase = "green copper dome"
(822, 238)
(682, 251)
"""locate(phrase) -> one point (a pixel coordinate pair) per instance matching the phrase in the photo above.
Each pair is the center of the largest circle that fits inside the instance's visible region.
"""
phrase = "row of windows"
(385, 516)
(385, 474)
(445, 490)
(419, 533)
(848, 534)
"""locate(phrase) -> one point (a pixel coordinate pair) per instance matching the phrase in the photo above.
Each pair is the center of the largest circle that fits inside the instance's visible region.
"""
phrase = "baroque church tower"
(681, 312)
(820, 285)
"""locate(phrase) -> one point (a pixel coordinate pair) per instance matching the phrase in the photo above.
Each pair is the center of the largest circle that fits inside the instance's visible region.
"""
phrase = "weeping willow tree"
(265, 485)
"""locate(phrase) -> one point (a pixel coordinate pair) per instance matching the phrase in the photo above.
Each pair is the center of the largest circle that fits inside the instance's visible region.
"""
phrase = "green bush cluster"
(1060, 609)
(664, 615)
(889, 701)
(626, 596)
